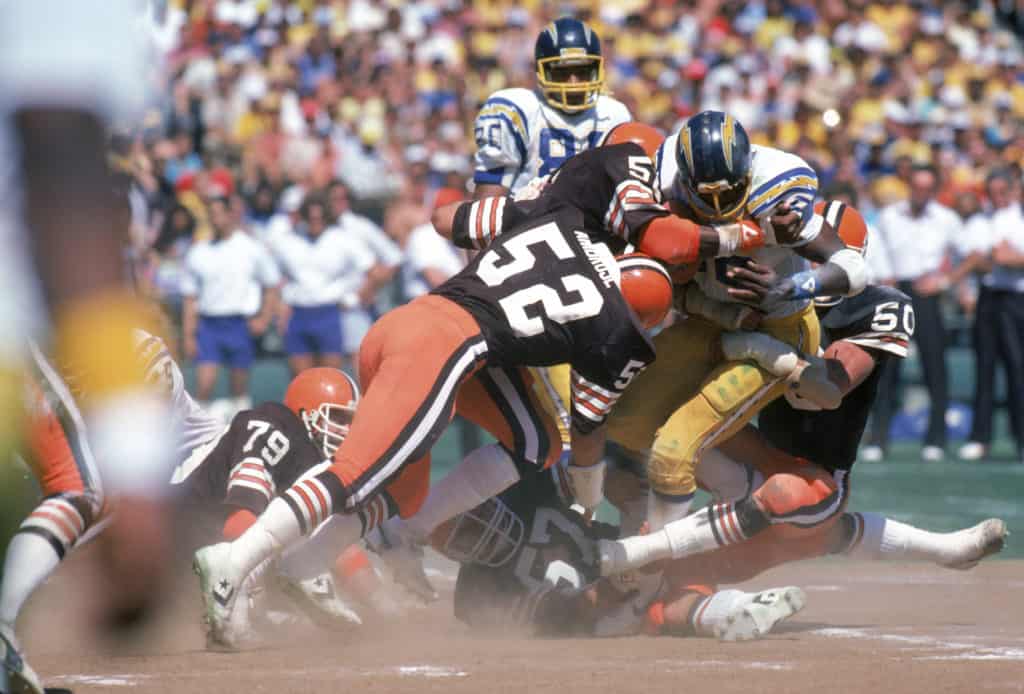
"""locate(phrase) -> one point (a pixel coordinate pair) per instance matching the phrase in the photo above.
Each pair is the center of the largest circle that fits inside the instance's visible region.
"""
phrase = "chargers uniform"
(689, 400)
(538, 586)
(520, 137)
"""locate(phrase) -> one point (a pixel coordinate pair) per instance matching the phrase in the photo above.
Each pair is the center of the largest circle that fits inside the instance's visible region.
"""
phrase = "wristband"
(805, 285)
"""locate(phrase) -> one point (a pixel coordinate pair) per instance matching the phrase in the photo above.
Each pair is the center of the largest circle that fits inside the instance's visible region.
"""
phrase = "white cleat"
(404, 557)
(318, 599)
(757, 617)
(220, 589)
(972, 451)
(976, 543)
(871, 454)
(16, 677)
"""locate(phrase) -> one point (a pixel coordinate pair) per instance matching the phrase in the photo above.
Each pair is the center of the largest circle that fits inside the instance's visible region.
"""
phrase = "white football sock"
(676, 540)
(712, 610)
(275, 529)
(486, 472)
(30, 560)
(885, 538)
(316, 554)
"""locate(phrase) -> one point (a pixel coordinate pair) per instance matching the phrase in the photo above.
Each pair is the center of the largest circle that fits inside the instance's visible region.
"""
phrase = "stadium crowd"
(293, 171)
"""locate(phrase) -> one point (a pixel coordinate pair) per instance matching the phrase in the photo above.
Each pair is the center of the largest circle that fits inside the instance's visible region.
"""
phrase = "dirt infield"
(868, 627)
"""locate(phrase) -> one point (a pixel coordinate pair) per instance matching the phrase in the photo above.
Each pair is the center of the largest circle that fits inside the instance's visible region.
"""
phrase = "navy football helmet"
(570, 69)
(713, 155)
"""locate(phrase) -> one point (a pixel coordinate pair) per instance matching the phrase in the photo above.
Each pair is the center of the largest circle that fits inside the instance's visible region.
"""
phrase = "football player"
(611, 187)
(76, 498)
(522, 134)
(529, 561)
(793, 504)
(692, 400)
(542, 293)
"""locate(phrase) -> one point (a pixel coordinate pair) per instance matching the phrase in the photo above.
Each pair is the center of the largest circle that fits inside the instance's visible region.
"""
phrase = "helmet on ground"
(489, 535)
(570, 69)
(325, 399)
(646, 286)
(714, 159)
(632, 131)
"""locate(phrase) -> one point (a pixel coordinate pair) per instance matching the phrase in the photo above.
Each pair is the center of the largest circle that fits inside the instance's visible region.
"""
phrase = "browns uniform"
(263, 451)
(609, 185)
(540, 556)
(541, 294)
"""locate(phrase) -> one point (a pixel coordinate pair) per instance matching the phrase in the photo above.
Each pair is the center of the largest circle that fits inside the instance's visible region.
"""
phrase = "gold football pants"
(687, 401)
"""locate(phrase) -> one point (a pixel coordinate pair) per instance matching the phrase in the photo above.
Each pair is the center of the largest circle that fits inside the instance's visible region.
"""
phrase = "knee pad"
(670, 473)
(733, 387)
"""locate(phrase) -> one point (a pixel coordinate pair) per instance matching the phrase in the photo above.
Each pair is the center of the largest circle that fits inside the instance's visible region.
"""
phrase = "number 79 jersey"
(520, 137)
(543, 293)
(263, 451)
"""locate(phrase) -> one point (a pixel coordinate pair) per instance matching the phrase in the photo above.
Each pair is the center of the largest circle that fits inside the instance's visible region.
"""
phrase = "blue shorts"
(224, 340)
(313, 330)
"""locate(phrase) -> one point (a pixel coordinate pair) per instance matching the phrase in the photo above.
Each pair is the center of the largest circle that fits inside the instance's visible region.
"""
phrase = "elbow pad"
(729, 316)
(671, 239)
(810, 387)
(852, 263)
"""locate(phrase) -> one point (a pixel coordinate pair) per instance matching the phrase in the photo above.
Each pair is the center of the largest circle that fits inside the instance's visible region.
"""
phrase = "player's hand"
(786, 223)
(758, 285)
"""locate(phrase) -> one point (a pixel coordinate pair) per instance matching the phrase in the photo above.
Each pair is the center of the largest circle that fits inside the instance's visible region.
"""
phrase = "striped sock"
(31, 558)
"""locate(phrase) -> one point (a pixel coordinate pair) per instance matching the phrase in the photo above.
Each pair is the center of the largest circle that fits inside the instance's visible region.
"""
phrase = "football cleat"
(16, 677)
(976, 543)
(318, 599)
(220, 589)
(758, 616)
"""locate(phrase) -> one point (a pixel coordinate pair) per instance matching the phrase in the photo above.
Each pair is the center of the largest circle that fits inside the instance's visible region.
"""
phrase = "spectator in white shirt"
(430, 259)
(230, 290)
(324, 270)
(999, 319)
(356, 320)
(919, 237)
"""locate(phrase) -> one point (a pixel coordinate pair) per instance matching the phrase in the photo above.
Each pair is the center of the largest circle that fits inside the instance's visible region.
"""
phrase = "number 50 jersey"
(543, 293)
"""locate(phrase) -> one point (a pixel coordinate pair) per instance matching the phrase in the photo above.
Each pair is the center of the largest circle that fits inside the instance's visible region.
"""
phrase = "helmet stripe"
(728, 136)
(686, 148)
(631, 262)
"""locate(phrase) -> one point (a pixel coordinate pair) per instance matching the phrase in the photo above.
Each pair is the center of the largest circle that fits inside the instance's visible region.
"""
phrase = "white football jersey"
(776, 176)
(193, 426)
(519, 136)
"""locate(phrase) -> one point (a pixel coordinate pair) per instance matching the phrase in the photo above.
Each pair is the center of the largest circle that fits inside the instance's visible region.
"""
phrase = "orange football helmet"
(847, 222)
(646, 286)
(632, 131)
(325, 399)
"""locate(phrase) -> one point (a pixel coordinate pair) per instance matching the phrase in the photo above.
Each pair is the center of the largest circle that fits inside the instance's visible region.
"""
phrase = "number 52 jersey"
(544, 294)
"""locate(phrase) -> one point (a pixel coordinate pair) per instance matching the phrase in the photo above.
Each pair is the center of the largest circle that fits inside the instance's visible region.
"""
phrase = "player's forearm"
(69, 207)
(677, 241)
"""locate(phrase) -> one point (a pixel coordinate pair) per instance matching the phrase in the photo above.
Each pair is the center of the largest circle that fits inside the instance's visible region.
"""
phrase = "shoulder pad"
(879, 318)
(776, 175)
